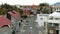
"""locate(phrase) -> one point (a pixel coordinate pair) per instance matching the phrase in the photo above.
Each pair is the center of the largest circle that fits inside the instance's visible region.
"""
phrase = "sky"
(27, 2)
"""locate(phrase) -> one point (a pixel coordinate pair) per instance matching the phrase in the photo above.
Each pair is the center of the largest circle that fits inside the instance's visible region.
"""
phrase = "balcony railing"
(54, 25)
(52, 21)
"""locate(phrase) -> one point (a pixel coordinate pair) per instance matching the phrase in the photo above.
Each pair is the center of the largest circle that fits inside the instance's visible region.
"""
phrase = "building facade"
(51, 22)
(41, 18)
(56, 6)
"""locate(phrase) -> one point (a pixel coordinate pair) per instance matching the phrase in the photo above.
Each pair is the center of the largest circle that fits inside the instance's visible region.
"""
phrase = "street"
(29, 27)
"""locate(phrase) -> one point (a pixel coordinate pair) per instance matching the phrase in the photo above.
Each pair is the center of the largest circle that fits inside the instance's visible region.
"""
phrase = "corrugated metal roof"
(14, 14)
(4, 21)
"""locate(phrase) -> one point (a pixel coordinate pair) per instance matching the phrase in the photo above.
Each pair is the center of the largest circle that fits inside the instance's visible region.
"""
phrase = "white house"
(41, 18)
(53, 21)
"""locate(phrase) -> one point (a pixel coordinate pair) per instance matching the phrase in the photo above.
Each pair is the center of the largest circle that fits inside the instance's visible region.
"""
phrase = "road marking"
(24, 25)
(40, 32)
(22, 30)
(30, 27)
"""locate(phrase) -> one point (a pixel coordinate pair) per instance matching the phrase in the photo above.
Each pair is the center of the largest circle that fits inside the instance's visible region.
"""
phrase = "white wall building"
(53, 21)
(49, 20)
(41, 18)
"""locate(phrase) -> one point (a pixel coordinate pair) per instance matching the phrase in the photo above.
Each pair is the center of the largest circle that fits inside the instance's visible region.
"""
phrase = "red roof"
(4, 21)
(14, 14)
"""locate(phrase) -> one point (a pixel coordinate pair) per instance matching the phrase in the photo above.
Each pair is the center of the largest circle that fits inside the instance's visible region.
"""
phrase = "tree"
(6, 7)
(45, 8)
(21, 12)
(1, 12)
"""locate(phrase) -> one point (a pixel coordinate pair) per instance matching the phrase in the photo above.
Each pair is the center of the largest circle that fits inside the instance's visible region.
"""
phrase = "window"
(55, 24)
(56, 18)
(58, 11)
(40, 15)
(49, 24)
(51, 18)
(41, 18)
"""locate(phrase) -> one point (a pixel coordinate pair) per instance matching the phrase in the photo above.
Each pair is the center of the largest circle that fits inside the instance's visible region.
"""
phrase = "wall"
(40, 19)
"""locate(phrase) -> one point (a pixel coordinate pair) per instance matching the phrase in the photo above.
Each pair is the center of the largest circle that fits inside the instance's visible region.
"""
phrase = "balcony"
(53, 20)
(56, 25)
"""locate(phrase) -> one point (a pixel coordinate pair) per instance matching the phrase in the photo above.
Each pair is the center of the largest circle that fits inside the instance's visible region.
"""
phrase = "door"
(57, 31)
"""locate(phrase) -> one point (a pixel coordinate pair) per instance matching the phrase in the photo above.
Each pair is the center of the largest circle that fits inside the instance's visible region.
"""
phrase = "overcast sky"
(27, 2)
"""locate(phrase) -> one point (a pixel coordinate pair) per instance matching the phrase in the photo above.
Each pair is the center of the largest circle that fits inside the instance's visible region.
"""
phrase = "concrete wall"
(40, 19)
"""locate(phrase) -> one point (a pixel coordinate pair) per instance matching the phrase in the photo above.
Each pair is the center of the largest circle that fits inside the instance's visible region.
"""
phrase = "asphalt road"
(29, 27)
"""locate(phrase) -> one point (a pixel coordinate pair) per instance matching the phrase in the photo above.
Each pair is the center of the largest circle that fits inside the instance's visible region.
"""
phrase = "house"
(15, 17)
(4, 21)
(27, 11)
(41, 18)
(5, 25)
(52, 24)
(56, 6)
(30, 9)
(34, 9)
(8, 20)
